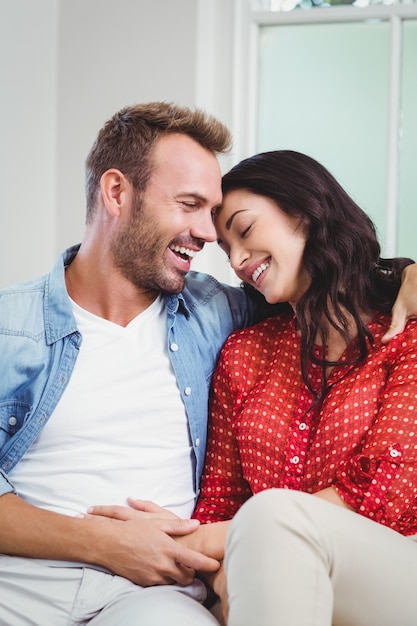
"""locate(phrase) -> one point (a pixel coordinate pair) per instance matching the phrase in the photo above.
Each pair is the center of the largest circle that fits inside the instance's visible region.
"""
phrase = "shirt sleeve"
(5, 484)
(379, 480)
(223, 487)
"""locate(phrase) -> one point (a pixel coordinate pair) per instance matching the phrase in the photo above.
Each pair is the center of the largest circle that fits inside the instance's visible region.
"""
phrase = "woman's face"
(265, 245)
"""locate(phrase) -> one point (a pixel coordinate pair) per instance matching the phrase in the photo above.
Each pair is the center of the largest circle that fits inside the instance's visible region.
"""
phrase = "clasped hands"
(144, 543)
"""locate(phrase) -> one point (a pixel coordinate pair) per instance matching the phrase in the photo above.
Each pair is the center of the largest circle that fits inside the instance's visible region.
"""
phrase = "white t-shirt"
(120, 428)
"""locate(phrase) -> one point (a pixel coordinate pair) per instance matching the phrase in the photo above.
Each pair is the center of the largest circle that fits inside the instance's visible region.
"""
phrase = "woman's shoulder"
(265, 331)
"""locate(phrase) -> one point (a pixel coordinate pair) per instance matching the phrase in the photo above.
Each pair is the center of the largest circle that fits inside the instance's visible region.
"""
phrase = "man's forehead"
(180, 155)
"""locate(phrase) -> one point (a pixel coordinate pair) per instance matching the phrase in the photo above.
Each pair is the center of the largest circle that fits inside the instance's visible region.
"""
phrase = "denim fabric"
(39, 344)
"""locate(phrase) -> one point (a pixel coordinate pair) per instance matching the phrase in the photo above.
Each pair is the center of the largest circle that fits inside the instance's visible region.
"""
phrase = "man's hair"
(127, 140)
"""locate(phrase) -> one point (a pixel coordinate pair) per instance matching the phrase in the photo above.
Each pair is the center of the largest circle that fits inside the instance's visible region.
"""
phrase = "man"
(104, 385)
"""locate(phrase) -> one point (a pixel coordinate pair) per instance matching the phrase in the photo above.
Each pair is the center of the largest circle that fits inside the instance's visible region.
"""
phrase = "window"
(338, 83)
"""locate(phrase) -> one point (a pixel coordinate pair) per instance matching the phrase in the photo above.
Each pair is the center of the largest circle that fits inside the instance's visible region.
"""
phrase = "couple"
(85, 419)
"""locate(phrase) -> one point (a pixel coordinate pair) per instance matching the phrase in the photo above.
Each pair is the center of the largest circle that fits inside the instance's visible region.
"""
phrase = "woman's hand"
(405, 306)
(208, 539)
(218, 583)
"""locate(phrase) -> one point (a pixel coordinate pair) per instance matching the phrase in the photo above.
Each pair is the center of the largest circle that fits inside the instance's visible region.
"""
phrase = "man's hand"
(134, 545)
(405, 306)
(142, 548)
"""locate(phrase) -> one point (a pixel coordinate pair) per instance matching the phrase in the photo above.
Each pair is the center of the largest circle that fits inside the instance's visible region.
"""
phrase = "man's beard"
(138, 253)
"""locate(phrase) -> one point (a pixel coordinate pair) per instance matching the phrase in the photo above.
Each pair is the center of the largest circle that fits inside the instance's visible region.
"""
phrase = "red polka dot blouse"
(265, 430)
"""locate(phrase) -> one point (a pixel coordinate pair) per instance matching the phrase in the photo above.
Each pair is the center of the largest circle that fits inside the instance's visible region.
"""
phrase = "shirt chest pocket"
(12, 416)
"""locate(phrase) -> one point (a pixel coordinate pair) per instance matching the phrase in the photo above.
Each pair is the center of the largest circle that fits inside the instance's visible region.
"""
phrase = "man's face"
(172, 220)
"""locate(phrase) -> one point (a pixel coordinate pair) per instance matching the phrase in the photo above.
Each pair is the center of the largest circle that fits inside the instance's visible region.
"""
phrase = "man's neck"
(105, 292)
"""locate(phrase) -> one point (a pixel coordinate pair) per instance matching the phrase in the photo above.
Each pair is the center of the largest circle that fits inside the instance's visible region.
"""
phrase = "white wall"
(28, 121)
(65, 67)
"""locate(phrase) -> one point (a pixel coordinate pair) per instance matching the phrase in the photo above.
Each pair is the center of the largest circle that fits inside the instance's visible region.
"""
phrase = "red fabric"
(362, 439)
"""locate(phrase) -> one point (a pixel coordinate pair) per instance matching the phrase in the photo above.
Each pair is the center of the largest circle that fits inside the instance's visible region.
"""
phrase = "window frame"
(234, 58)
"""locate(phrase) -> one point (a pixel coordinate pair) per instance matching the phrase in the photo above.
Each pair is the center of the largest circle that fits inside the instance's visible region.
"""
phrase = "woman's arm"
(223, 488)
(330, 495)
(380, 480)
(207, 539)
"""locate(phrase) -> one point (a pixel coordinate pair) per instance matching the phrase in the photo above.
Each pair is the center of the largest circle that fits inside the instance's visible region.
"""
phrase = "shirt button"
(187, 391)
(295, 460)
(174, 347)
(197, 442)
(394, 453)
(12, 420)
(303, 426)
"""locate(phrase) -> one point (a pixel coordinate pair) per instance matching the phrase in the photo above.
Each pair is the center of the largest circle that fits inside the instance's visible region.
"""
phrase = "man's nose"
(204, 228)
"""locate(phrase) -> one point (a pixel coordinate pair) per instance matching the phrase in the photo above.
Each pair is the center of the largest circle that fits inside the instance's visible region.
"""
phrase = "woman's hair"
(342, 253)
(126, 142)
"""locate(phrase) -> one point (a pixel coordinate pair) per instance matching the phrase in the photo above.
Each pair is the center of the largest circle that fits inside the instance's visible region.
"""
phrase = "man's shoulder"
(205, 289)
(21, 305)
(246, 305)
(28, 289)
(205, 285)
(34, 307)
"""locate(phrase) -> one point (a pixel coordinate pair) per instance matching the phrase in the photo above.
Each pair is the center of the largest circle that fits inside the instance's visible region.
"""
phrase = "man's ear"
(115, 188)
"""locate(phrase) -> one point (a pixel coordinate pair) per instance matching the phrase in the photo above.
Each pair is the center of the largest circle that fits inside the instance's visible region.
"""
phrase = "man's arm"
(405, 306)
(140, 549)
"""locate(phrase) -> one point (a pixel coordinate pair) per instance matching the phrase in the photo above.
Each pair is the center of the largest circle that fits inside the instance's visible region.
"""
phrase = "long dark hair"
(342, 253)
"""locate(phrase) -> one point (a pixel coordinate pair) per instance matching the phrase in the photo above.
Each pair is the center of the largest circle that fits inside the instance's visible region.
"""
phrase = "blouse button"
(295, 460)
(394, 453)
(302, 426)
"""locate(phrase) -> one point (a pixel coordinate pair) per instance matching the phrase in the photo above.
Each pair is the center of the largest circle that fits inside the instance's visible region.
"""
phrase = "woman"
(311, 403)
(313, 432)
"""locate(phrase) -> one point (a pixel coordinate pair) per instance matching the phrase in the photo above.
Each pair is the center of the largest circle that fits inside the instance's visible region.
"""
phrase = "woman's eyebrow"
(232, 217)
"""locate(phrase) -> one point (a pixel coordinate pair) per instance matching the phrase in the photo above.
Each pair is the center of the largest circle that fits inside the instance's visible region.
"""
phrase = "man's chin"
(174, 286)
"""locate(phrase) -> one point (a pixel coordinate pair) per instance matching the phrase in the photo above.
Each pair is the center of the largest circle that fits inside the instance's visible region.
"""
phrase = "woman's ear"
(115, 190)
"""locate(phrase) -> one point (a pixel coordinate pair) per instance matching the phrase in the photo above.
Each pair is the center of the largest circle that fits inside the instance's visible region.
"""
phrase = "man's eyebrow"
(194, 194)
(232, 217)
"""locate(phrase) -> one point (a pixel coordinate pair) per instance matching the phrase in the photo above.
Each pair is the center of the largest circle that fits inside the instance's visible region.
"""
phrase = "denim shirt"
(39, 344)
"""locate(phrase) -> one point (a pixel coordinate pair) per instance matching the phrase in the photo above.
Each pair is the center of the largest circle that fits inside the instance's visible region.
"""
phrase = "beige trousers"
(33, 593)
(293, 559)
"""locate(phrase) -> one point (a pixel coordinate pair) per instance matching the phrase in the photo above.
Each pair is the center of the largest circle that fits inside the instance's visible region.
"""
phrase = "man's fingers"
(405, 307)
(173, 526)
(125, 513)
(146, 506)
(183, 575)
(195, 560)
(391, 332)
(398, 322)
(177, 527)
(122, 513)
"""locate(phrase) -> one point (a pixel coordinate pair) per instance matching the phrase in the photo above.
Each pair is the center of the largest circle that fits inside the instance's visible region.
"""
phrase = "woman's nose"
(238, 257)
